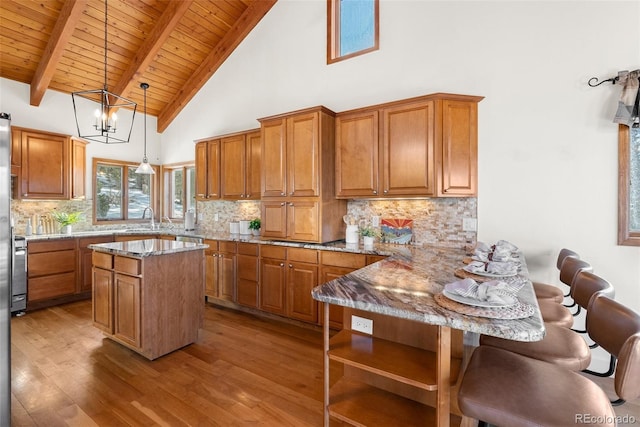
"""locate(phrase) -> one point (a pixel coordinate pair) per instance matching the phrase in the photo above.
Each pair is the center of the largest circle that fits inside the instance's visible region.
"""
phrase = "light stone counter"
(148, 247)
(404, 286)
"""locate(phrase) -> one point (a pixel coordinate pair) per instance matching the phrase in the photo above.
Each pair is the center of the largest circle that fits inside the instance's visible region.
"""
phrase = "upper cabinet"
(228, 167)
(298, 190)
(52, 166)
(425, 146)
(208, 169)
(240, 166)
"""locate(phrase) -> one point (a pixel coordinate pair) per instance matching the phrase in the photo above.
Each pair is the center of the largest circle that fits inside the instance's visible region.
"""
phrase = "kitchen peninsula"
(148, 295)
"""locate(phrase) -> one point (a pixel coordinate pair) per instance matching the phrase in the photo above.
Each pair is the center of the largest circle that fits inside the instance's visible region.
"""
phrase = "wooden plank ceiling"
(174, 45)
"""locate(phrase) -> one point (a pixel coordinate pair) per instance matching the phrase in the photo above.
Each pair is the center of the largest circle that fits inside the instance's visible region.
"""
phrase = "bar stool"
(560, 345)
(544, 291)
(553, 312)
(508, 389)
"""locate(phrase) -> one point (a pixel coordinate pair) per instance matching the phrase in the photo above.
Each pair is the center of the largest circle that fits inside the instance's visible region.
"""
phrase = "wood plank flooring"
(244, 370)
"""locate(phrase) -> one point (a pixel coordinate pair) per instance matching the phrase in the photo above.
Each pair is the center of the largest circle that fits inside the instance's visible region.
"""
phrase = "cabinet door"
(303, 221)
(272, 285)
(459, 148)
(78, 168)
(85, 263)
(226, 276)
(126, 302)
(232, 167)
(274, 158)
(102, 308)
(211, 275)
(301, 279)
(303, 155)
(16, 148)
(208, 170)
(45, 166)
(408, 156)
(254, 168)
(274, 219)
(247, 285)
(335, 311)
(357, 166)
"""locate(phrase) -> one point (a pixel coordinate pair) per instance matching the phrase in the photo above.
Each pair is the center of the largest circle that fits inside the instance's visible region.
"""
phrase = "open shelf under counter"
(357, 403)
(403, 363)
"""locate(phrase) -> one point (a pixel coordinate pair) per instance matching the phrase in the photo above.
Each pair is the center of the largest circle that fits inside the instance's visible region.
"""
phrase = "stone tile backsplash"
(436, 221)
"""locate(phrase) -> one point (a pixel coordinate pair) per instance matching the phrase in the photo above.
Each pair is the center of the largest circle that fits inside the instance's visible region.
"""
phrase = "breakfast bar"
(148, 295)
(409, 365)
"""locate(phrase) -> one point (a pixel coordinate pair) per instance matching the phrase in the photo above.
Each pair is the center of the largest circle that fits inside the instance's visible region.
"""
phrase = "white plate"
(485, 274)
(476, 303)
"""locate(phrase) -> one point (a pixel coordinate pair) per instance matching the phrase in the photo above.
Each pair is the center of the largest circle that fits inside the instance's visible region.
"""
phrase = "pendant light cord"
(106, 17)
(145, 86)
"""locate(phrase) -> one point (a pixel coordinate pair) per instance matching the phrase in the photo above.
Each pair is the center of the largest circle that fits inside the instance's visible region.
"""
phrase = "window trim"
(333, 32)
(626, 237)
(125, 201)
(168, 168)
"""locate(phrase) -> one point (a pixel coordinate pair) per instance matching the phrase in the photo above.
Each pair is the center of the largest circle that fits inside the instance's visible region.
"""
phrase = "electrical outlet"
(361, 324)
(375, 221)
(200, 216)
(216, 217)
(469, 224)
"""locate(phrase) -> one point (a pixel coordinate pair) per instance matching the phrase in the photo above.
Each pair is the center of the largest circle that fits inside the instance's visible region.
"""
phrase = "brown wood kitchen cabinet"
(208, 169)
(287, 276)
(220, 270)
(424, 146)
(52, 166)
(85, 275)
(247, 274)
(240, 160)
(298, 177)
(51, 269)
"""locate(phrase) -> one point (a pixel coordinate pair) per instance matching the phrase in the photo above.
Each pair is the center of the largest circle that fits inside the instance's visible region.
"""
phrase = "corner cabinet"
(424, 146)
(52, 166)
(297, 188)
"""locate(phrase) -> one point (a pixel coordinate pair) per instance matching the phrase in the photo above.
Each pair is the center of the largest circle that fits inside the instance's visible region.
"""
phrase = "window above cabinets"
(352, 28)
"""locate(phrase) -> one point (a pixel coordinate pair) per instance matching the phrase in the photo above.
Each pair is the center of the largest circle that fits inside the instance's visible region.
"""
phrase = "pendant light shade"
(145, 167)
(103, 116)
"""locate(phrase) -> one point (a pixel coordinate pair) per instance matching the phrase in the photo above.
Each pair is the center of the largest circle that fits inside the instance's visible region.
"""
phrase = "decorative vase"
(255, 232)
(66, 229)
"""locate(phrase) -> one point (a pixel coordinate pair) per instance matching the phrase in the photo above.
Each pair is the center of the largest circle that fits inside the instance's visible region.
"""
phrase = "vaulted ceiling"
(174, 45)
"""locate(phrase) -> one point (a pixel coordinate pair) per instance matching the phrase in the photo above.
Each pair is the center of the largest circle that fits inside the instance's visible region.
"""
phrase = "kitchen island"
(148, 295)
(406, 371)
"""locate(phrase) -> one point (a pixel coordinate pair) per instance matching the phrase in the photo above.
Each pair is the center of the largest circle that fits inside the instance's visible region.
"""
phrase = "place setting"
(489, 284)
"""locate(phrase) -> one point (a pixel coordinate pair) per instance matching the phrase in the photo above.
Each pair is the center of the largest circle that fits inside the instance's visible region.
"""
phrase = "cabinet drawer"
(213, 246)
(52, 286)
(303, 255)
(341, 259)
(126, 265)
(248, 249)
(277, 252)
(102, 260)
(227, 247)
(51, 245)
(45, 263)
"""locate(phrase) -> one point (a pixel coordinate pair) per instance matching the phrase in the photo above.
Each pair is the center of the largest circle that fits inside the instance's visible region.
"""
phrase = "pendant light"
(145, 167)
(103, 116)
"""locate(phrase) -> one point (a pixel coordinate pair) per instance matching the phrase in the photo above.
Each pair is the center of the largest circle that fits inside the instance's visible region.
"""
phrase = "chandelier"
(103, 116)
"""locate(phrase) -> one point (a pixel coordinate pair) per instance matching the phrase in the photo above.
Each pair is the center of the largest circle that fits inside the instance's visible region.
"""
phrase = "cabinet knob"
(242, 196)
(291, 194)
(282, 204)
(375, 192)
(283, 194)
(221, 256)
(290, 265)
(282, 264)
(290, 203)
(385, 191)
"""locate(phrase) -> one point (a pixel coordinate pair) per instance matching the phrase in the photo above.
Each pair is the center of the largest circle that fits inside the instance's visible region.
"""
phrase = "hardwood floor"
(244, 370)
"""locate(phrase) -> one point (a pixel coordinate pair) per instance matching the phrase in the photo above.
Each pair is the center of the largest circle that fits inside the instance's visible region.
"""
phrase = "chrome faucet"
(144, 212)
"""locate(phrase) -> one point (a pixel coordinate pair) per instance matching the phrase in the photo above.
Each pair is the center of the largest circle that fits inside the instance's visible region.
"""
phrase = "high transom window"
(352, 28)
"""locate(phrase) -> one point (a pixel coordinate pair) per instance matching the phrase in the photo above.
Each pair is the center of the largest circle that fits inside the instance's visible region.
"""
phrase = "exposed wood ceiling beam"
(249, 19)
(152, 44)
(62, 31)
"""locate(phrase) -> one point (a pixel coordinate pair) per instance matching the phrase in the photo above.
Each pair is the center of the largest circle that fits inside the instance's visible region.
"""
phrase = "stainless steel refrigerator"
(6, 240)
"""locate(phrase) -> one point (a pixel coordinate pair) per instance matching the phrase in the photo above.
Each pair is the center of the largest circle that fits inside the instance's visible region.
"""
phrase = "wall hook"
(593, 81)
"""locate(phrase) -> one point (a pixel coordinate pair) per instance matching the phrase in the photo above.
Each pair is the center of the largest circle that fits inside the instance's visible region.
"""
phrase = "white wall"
(548, 148)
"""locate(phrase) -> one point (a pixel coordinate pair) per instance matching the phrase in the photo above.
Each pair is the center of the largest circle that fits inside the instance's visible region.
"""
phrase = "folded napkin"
(494, 291)
(494, 256)
(493, 267)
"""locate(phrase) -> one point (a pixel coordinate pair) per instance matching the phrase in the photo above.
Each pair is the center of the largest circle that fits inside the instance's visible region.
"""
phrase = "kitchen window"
(120, 194)
(179, 189)
(629, 186)
(352, 28)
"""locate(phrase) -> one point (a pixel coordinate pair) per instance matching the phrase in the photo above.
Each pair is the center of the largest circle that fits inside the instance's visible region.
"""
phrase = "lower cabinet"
(248, 273)
(51, 269)
(126, 301)
(287, 276)
(220, 270)
(85, 276)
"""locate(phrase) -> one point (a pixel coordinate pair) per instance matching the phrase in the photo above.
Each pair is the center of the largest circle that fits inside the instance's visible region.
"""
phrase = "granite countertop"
(404, 286)
(148, 247)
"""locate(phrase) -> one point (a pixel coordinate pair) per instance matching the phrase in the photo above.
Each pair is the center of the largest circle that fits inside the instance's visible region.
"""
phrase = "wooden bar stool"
(508, 389)
(545, 291)
(560, 345)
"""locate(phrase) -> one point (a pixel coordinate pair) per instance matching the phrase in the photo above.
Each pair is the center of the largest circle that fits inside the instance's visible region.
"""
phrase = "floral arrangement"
(66, 218)
(254, 224)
